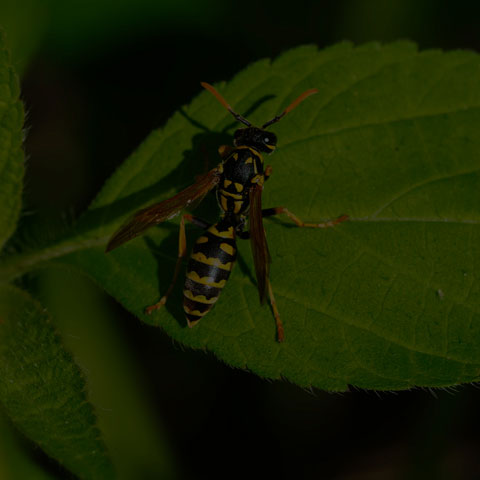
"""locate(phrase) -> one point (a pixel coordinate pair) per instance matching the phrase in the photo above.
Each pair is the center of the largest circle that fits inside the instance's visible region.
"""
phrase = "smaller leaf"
(43, 390)
(11, 154)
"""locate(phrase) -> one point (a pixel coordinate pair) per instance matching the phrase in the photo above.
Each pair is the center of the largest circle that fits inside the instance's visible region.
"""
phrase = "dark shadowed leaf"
(43, 391)
(11, 154)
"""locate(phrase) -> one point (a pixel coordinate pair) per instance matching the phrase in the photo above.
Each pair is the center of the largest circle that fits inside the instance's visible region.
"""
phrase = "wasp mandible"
(239, 180)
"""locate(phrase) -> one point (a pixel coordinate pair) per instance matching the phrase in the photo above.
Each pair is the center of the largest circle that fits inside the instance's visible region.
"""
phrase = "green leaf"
(42, 389)
(90, 331)
(387, 300)
(11, 154)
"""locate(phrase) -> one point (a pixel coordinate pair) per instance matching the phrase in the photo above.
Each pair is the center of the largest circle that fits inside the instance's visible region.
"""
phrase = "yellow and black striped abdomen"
(209, 267)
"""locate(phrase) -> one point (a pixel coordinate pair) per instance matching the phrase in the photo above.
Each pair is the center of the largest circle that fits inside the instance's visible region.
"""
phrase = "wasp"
(239, 181)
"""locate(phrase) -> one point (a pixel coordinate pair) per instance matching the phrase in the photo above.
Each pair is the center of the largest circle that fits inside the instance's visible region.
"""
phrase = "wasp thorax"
(256, 138)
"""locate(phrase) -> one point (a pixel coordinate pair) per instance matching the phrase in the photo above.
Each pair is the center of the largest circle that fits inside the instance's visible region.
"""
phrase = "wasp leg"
(268, 171)
(276, 314)
(224, 151)
(268, 212)
(182, 250)
(273, 303)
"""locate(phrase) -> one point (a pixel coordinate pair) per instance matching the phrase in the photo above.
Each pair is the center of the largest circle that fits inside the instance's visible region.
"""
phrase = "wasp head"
(255, 137)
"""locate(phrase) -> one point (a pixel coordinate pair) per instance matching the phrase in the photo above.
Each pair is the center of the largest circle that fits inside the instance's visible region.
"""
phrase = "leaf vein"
(422, 184)
(386, 338)
(382, 122)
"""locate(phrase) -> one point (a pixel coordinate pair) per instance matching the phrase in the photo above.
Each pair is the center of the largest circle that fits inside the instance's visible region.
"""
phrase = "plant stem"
(16, 265)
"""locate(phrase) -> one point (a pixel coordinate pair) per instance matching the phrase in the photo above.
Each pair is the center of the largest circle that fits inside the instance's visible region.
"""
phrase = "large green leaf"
(387, 300)
(42, 389)
(11, 154)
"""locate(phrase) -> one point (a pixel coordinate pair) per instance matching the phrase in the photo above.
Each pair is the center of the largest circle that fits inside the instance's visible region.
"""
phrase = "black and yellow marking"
(199, 298)
(238, 207)
(226, 193)
(238, 180)
(255, 153)
(208, 270)
(205, 280)
(241, 168)
(222, 232)
(224, 203)
(202, 258)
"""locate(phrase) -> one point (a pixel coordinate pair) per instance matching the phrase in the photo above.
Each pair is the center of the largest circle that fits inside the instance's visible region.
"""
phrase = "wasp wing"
(258, 241)
(159, 212)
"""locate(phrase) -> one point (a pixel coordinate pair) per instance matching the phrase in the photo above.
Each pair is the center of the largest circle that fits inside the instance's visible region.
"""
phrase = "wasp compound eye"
(270, 140)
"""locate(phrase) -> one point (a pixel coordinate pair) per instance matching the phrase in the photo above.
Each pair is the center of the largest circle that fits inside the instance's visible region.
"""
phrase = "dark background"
(97, 77)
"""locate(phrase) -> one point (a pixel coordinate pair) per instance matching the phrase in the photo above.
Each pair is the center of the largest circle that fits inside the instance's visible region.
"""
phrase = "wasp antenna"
(294, 104)
(237, 117)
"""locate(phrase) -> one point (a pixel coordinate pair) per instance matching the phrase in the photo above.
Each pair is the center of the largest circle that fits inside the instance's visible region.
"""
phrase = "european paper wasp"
(239, 180)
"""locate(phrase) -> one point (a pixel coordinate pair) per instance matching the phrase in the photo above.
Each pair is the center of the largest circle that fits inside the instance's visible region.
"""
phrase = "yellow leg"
(300, 223)
(224, 151)
(268, 171)
(276, 314)
(182, 250)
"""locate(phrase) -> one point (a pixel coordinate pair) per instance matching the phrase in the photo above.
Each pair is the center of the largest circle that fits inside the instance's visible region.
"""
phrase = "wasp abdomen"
(209, 267)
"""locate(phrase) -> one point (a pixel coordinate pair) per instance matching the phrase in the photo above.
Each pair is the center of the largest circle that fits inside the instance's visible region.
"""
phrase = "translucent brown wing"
(159, 212)
(258, 241)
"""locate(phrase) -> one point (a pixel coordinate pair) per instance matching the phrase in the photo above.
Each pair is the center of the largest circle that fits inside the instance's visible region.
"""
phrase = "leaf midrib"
(377, 334)
(389, 121)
